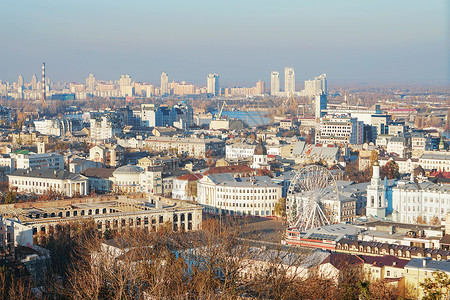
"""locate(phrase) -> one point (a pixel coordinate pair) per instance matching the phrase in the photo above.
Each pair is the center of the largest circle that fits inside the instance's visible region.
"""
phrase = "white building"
(411, 200)
(55, 127)
(188, 146)
(405, 165)
(316, 86)
(239, 150)
(39, 161)
(383, 139)
(260, 157)
(126, 89)
(41, 181)
(223, 193)
(105, 126)
(275, 83)
(439, 160)
(78, 165)
(364, 115)
(289, 81)
(320, 105)
(90, 82)
(164, 84)
(376, 195)
(212, 84)
(13, 233)
(151, 180)
(342, 129)
(185, 187)
(127, 179)
(397, 145)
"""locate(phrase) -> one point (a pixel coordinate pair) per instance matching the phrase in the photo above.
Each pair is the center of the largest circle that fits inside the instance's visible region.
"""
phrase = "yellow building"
(420, 268)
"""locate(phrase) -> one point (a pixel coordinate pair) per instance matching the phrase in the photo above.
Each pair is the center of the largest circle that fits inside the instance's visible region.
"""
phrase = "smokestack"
(43, 81)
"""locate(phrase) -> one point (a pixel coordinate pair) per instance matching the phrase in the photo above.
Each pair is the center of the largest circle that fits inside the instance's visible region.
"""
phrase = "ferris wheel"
(307, 189)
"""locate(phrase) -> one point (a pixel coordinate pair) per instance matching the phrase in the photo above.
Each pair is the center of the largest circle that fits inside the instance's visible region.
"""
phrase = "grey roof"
(242, 146)
(397, 139)
(423, 186)
(45, 173)
(435, 156)
(431, 265)
(98, 172)
(128, 169)
(228, 180)
(333, 232)
(298, 148)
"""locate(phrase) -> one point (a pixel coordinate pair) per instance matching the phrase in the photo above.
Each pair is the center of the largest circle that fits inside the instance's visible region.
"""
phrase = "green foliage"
(280, 208)
(10, 198)
(390, 170)
(437, 287)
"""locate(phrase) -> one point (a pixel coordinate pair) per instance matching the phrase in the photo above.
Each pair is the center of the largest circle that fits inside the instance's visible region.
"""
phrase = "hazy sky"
(241, 40)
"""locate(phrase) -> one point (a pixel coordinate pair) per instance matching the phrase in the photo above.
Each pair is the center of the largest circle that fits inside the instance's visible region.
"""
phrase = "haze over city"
(224, 149)
(243, 41)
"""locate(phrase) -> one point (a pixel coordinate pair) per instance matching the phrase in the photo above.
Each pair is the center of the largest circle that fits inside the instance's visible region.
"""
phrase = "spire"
(376, 170)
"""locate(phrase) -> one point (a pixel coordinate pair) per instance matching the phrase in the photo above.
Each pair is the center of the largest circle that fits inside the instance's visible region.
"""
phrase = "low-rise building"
(108, 213)
(397, 145)
(436, 160)
(78, 165)
(29, 160)
(185, 186)
(42, 181)
(187, 146)
(420, 200)
(418, 269)
(111, 155)
(223, 193)
(127, 179)
(239, 150)
(99, 179)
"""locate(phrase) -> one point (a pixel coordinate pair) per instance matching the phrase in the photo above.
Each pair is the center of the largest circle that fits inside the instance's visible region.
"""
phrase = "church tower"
(376, 195)
(260, 157)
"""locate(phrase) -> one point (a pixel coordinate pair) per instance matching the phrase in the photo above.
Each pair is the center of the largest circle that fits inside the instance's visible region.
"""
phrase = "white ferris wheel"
(307, 189)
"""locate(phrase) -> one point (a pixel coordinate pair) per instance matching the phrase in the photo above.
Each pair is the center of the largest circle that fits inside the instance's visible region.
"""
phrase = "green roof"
(21, 151)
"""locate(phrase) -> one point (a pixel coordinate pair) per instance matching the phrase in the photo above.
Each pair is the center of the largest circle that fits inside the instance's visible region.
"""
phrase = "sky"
(353, 41)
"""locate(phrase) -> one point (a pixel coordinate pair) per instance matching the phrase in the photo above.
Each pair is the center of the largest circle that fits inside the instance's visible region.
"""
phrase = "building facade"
(42, 181)
(223, 193)
(334, 129)
(212, 84)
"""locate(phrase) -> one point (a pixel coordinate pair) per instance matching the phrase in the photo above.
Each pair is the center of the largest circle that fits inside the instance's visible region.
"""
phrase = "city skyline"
(350, 41)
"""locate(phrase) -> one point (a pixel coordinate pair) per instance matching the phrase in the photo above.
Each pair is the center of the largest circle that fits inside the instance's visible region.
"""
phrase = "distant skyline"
(242, 41)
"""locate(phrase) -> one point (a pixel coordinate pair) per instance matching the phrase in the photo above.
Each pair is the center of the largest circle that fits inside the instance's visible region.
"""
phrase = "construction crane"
(219, 114)
(291, 99)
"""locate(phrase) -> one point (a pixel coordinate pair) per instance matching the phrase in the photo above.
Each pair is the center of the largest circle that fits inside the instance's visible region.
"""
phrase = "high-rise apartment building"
(34, 82)
(126, 89)
(315, 86)
(260, 87)
(320, 105)
(289, 81)
(20, 81)
(213, 84)
(90, 82)
(275, 83)
(164, 83)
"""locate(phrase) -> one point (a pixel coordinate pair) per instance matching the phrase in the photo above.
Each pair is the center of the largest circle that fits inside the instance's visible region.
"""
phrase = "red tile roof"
(229, 169)
(387, 260)
(191, 177)
(342, 261)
